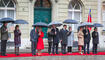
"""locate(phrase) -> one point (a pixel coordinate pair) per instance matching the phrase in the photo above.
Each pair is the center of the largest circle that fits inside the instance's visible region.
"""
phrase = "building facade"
(52, 10)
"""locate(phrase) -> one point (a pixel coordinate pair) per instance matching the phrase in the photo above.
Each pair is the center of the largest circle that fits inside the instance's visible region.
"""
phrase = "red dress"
(40, 44)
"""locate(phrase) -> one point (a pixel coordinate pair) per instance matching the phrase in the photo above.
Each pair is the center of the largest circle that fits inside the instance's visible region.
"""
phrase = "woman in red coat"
(40, 44)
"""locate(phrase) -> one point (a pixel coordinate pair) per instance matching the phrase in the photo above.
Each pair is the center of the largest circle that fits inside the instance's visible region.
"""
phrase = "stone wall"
(25, 10)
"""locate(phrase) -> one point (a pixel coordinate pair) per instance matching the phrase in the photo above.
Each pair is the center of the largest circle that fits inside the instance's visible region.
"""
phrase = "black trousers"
(49, 47)
(63, 48)
(33, 47)
(86, 45)
(55, 46)
(95, 48)
(3, 47)
(69, 48)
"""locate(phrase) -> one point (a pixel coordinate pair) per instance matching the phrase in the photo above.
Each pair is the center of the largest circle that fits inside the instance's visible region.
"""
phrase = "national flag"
(89, 18)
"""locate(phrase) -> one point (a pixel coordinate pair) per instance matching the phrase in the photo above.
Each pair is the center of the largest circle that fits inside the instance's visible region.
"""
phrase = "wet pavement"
(97, 57)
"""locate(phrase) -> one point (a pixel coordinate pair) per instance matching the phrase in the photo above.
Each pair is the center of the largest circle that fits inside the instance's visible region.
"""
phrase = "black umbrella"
(86, 24)
(20, 21)
(6, 20)
(40, 24)
(70, 21)
(57, 24)
(98, 25)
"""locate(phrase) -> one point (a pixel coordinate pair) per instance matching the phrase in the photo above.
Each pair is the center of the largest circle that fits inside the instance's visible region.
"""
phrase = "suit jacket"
(55, 36)
(95, 37)
(64, 36)
(86, 36)
(50, 36)
(4, 33)
(33, 36)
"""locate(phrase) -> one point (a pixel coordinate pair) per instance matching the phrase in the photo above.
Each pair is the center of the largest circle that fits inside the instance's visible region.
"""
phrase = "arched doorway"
(42, 13)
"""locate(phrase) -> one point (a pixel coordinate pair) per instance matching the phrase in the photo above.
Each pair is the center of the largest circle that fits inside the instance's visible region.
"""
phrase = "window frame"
(6, 8)
(73, 10)
(103, 13)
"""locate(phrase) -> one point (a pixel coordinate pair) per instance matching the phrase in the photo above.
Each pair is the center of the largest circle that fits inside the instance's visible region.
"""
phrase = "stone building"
(51, 10)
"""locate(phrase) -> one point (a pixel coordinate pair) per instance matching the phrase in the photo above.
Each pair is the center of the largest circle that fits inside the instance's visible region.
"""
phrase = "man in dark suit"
(55, 32)
(86, 39)
(34, 39)
(63, 38)
(4, 38)
(95, 37)
(50, 40)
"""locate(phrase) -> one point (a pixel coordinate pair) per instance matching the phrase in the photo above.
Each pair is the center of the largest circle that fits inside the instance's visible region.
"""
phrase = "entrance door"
(42, 13)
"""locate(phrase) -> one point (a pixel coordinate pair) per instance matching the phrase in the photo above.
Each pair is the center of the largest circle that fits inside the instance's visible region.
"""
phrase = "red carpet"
(46, 54)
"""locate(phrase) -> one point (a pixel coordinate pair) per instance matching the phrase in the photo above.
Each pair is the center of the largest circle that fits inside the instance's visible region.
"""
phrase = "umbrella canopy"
(57, 24)
(6, 20)
(70, 21)
(40, 24)
(20, 21)
(86, 24)
(98, 25)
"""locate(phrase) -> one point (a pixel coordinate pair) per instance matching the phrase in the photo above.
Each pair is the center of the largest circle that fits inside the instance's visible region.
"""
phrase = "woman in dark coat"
(17, 39)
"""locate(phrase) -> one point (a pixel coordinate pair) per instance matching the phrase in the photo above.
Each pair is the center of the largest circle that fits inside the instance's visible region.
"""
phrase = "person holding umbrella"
(63, 38)
(40, 44)
(56, 37)
(95, 36)
(86, 39)
(17, 39)
(4, 38)
(17, 34)
(37, 35)
(34, 39)
(4, 34)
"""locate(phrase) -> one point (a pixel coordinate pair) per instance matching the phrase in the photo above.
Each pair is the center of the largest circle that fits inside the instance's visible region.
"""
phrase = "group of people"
(84, 38)
(66, 38)
(63, 36)
(36, 37)
(5, 37)
(55, 36)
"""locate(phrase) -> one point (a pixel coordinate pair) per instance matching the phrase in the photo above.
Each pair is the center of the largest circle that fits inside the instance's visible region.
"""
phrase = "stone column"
(99, 21)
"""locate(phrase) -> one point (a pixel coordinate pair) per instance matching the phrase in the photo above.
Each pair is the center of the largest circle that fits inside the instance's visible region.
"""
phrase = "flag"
(89, 18)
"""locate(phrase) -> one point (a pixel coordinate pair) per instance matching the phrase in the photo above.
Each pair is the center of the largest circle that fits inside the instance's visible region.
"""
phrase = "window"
(75, 12)
(103, 15)
(7, 9)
